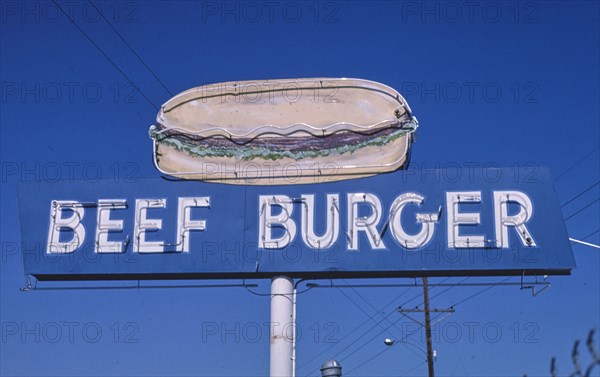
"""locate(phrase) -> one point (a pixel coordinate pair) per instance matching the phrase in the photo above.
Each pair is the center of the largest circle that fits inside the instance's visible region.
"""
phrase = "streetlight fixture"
(390, 342)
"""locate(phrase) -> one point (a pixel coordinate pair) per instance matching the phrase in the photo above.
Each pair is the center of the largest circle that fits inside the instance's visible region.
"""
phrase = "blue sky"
(492, 83)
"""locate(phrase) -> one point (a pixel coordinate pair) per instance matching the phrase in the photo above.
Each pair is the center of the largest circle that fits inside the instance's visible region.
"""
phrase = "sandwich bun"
(283, 131)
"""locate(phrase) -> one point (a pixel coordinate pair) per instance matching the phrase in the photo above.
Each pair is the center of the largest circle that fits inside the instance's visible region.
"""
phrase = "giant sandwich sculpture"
(283, 131)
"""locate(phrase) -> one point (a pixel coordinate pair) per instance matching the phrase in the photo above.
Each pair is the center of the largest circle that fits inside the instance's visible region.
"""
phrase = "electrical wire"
(591, 234)
(431, 298)
(581, 210)
(370, 340)
(104, 54)
(368, 331)
(480, 292)
(270, 294)
(449, 288)
(413, 368)
(457, 303)
(378, 323)
(131, 49)
(360, 337)
(379, 353)
(354, 330)
(337, 354)
(368, 303)
(392, 323)
(581, 193)
(576, 163)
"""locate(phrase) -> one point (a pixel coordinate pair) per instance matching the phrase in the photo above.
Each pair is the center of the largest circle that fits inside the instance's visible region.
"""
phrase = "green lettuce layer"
(250, 153)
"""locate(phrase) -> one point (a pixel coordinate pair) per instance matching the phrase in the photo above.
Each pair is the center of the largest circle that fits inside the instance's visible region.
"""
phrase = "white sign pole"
(282, 326)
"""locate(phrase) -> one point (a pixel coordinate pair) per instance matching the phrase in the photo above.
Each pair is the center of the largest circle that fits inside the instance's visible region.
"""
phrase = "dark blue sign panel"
(406, 223)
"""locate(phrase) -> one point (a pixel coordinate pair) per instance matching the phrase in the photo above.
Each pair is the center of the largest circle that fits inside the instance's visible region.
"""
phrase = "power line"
(370, 340)
(104, 54)
(581, 193)
(392, 323)
(413, 368)
(379, 353)
(581, 210)
(363, 334)
(333, 345)
(575, 164)
(440, 293)
(591, 234)
(480, 292)
(493, 285)
(348, 346)
(372, 307)
(353, 331)
(131, 49)
(582, 239)
(449, 288)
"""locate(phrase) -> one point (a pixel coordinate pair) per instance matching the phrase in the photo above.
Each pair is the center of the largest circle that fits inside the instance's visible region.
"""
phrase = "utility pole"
(428, 328)
(427, 310)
